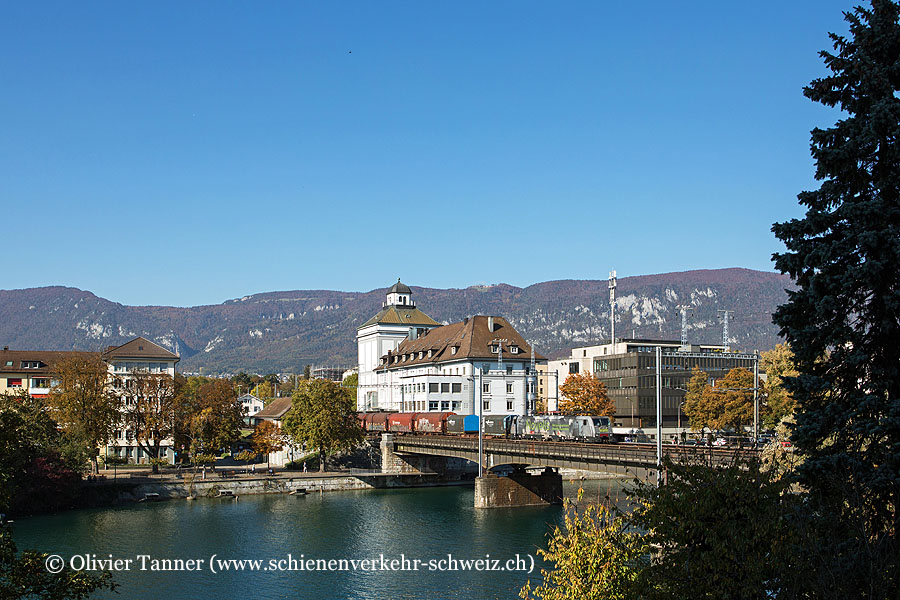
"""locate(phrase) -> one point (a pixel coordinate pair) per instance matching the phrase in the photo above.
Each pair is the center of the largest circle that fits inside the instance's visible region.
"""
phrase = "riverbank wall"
(124, 491)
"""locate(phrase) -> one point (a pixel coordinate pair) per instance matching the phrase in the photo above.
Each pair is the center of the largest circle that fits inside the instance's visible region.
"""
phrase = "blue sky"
(188, 153)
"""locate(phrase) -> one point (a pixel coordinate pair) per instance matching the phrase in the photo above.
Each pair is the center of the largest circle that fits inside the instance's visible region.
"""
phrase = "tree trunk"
(95, 468)
(321, 460)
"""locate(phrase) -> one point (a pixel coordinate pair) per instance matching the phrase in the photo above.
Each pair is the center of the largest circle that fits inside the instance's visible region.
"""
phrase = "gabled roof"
(472, 339)
(45, 358)
(139, 347)
(400, 315)
(276, 409)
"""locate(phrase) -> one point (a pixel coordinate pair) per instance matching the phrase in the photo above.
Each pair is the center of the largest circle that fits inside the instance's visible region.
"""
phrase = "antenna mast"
(725, 314)
(612, 306)
(684, 325)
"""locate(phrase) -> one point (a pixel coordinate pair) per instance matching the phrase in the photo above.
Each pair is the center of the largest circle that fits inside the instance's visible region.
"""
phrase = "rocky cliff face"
(284, 331)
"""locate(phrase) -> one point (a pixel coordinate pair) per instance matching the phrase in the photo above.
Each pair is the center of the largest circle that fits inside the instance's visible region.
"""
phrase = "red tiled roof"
(472, 340)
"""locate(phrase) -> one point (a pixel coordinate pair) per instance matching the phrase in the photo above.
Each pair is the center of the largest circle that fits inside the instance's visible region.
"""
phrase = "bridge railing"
(643, 454)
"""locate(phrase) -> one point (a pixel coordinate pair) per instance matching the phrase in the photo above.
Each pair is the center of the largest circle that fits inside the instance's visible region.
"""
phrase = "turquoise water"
(425, 524)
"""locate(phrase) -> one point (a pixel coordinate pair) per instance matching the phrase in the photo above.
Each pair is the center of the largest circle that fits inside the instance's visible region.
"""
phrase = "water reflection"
(424, 524)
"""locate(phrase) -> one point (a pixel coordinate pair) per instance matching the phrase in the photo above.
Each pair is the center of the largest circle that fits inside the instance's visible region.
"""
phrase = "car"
(720, 442)
(689, 443)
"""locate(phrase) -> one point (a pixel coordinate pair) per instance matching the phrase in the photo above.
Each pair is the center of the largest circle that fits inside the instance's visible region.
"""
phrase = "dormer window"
(453, 349)
(513, 349)
(495, 348)
(430, 353)
(421, 355)
(31, 364)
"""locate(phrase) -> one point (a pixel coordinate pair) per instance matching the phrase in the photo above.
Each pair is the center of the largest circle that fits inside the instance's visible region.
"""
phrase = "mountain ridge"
(286, 330)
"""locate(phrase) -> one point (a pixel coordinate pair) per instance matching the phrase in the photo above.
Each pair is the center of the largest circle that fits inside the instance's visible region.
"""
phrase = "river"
(428, 524)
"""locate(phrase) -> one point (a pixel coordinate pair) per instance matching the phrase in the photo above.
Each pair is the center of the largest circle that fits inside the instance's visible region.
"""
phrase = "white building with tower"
(397, 320)
(425, 367)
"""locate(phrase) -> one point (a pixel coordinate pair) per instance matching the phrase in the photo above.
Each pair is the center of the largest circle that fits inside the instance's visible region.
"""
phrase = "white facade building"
(478, 361)
(398, 319)
(140, 355)
(250, 404)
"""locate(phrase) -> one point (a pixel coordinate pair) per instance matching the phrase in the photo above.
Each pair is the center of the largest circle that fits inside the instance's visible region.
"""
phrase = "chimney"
(491, 324)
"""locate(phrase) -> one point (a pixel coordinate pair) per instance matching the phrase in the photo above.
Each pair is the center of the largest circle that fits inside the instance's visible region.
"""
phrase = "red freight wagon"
(376, 421)
(434, 422)
(401, 422)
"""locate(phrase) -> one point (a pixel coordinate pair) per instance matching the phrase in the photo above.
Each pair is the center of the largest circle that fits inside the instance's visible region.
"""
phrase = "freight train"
(543, 427)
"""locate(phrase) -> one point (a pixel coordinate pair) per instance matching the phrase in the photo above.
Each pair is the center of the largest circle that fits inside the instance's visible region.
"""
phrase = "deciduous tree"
(778, 365)
(39, 471)
(150, 410)
(323, 416)
(701, 413)
(594, 556)
(217, 422)
(83, 401)
(25, 575)
(267, 438)
(585, 395)
(727, 405)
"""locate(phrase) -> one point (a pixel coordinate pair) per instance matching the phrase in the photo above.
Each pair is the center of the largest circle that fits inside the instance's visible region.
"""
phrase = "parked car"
(720, 442)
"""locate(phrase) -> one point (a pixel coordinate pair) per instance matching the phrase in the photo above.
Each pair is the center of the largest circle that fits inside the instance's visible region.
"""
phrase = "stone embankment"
(132, 489)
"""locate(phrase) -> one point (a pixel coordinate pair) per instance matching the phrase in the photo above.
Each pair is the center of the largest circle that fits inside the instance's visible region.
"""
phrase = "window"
(495, 348)
(509, 388)
(42, 382)
(445, 388)
(14, 383)
(9, 363)
(486, 405)
(456, 388)
(486, 388)
(31, 364)
(509, 369)
(573, 368)
(433, 388)
(513, 349)
(509, 405)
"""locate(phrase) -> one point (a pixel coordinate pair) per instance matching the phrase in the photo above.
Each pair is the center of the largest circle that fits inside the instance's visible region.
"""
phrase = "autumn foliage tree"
(584, 394)
(267, 438)
(726, 405)
(700, 414)
(83, 401)
(594, 554)
(778, 365)
(215, 417)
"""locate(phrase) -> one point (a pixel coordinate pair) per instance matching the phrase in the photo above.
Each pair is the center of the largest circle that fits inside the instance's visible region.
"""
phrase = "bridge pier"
(519, 489)
(406, 463)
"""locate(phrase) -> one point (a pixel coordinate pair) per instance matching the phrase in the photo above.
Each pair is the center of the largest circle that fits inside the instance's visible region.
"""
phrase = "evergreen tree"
(842, 320)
